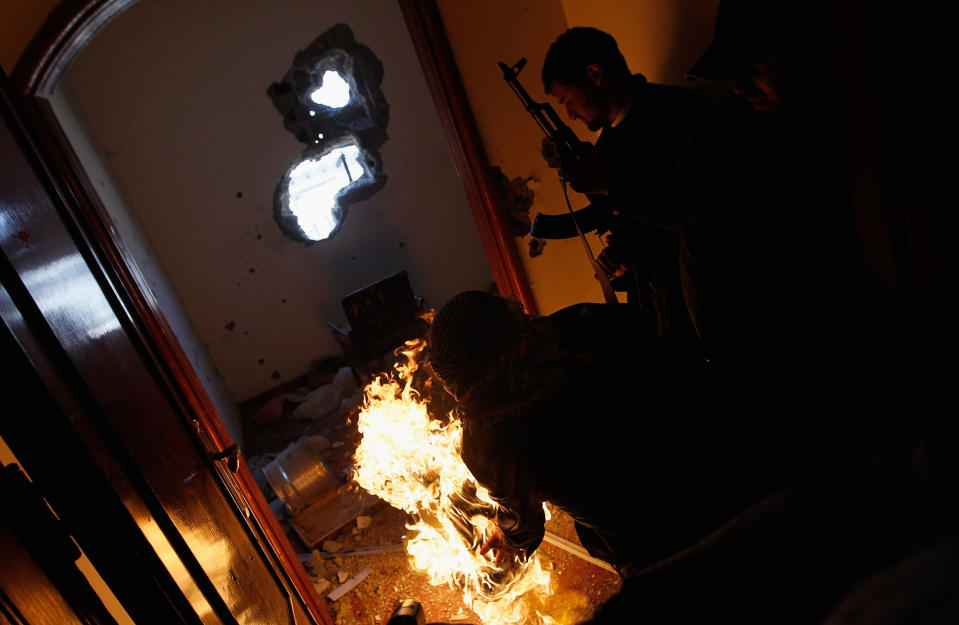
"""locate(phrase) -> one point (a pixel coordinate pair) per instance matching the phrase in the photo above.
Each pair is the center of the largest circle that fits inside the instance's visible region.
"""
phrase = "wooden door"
(155, 510)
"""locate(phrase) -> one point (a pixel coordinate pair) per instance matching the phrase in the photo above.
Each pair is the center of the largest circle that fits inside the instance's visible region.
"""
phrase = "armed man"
(644, 128)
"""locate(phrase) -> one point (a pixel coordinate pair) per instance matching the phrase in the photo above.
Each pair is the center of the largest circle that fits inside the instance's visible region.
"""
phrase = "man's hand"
(613, 259)
(551, 153)
(504, 552)
(590, 174)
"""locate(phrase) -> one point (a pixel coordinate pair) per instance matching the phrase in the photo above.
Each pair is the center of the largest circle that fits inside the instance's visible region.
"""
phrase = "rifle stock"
(561, 226)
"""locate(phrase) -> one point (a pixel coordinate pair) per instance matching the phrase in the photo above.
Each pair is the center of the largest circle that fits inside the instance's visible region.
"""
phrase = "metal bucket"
(298, 475)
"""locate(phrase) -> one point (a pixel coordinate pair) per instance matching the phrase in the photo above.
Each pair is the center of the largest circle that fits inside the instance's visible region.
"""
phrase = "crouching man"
(645, 446)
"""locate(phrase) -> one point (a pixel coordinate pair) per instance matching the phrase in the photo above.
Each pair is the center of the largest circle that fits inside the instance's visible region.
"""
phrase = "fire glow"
(414, 463)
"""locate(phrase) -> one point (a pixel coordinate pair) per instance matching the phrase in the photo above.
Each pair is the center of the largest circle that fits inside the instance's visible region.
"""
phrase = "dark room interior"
(170, 338)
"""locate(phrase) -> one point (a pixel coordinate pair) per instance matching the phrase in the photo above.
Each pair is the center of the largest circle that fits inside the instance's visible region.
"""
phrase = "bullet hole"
(239, 193)
(353, 257)
(252, 270)
(260, 361)
(402, 244)
(275, 375)
(23, 235)
(238, 284)
(230, 326)
(283, 301)
(259, 236)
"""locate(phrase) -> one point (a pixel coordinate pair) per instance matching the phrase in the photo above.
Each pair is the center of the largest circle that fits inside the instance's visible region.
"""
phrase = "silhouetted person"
(643, 128)
(761, 273)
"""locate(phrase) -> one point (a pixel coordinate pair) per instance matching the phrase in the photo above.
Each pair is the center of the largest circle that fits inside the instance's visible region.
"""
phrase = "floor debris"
(348, 586)
(363, 551)
(331, 546)
(378, 548)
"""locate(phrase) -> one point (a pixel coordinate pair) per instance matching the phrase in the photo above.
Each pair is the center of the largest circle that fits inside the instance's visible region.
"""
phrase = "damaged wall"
(236, 122)
(176, 94)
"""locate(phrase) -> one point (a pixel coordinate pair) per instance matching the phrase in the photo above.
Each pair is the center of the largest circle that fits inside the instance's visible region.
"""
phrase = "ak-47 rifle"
(575, 223)
(593, 216)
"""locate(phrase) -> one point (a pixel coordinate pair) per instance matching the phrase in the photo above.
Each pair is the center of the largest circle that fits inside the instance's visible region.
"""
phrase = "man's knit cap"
(469, 333)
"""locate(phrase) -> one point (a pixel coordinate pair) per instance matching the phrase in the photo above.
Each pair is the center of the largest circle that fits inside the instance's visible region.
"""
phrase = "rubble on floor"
(367, 551)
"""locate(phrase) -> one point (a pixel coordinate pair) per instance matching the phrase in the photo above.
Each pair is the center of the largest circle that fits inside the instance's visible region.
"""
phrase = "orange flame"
(414, 463)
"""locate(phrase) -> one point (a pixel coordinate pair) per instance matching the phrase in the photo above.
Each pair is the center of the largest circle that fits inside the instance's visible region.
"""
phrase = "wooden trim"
(436, 56)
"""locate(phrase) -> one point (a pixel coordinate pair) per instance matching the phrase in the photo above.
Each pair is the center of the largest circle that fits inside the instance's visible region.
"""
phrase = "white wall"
(97, 167)
(175, 92)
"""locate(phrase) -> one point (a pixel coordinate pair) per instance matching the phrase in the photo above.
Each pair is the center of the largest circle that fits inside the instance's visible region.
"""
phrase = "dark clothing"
(760, 271)
(793, 557)
(645, 446)
(642, 151)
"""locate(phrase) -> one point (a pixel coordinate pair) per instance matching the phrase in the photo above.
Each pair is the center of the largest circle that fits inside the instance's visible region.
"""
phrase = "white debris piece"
(363, 521)
(342, 575)
(321, 585)
(348, 586)
(319, 403)
(337, 444)
(345, 381)
(317, 442)
(331, 546)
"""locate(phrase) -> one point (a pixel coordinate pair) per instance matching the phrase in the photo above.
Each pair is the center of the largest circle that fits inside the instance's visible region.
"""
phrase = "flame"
(414, 463)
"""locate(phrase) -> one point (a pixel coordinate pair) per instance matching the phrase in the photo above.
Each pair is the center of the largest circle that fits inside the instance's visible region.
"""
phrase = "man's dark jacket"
(642, 151)
(646, 447)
